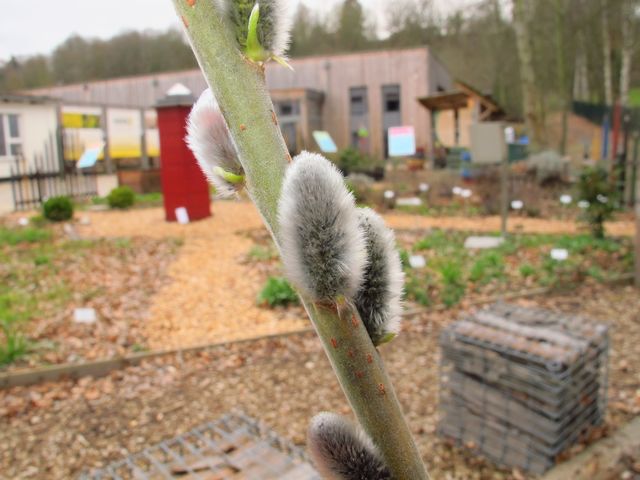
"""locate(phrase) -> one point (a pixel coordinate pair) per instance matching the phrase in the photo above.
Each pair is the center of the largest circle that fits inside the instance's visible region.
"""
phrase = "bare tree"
(606, 50)
(581, 74)
(628, 45)
(560, 13)
(522, 13)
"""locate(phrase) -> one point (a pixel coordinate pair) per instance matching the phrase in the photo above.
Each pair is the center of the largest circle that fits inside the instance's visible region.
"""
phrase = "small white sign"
(409, 202)
(389, 194)
(559, 254)
(481, 243)
(84, 315)
(565, 199)
(583, 204)
(517, 204)
(23, 222)
(456, 190)
(417, 261)
(466, 193)
(423, 187)
(182, 215)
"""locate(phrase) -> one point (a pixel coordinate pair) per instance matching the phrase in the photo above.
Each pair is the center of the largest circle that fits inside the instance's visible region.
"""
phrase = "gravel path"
(212, 289)
(196, 306)
(492, 224)
(57, 430)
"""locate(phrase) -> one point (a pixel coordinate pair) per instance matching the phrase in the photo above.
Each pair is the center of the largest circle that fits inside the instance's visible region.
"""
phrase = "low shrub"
(350, 160)
(121, 197)
(14, 344)
(453, 285)
(595, 188)
(277, 292)
(58, 209)
(488, 266)
(526, 270)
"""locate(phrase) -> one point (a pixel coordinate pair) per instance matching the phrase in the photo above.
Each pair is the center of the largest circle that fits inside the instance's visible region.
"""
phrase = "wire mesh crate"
(234, 446)
(521, 385)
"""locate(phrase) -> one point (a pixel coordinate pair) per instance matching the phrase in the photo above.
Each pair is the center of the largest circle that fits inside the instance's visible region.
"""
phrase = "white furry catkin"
(274, 27)
(323, 248)
(379, 299)
(342, 451)
(209, 139)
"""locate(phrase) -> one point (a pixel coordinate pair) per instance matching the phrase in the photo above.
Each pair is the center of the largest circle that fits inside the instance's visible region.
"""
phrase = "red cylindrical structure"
(183, 183)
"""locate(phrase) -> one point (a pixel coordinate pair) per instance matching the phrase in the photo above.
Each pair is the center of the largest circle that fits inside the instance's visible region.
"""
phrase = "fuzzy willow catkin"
(323, 248)
(379, 299)
(209, 139)
(274, 26)
(342, 451)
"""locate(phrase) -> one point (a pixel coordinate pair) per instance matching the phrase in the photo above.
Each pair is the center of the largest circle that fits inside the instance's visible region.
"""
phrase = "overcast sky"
(38, 26)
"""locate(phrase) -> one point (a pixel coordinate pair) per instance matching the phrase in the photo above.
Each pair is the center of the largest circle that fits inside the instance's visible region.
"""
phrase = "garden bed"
(454, 273)
(45, 276)
(57, 430)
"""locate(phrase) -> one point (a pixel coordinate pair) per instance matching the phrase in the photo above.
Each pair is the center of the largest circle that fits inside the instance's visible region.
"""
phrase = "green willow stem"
(239, 87)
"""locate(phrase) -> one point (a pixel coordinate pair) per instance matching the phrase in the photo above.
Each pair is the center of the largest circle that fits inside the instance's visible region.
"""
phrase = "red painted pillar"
(183, 183)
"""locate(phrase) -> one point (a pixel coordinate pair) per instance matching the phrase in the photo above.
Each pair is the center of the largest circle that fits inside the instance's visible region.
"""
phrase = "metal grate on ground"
(234, 447)
(521, 385)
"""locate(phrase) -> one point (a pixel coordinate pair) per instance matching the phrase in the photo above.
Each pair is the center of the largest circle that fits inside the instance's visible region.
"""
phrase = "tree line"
(531, 56)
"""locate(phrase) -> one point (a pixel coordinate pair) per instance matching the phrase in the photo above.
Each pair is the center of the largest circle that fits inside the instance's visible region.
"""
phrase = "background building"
(28, 130)
(352, 96)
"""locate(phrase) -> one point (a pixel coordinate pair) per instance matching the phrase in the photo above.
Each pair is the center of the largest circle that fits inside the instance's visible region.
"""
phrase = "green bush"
(350, 160)
(38, 221)
(453, 286)
(418, 291)
(488, 266)
(595, 187)
(277, 291)
(121, 197)
(58, 209)
(14, 344)
(526, 270)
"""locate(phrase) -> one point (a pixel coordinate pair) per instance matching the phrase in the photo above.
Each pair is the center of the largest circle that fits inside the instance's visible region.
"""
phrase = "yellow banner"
(80, 120)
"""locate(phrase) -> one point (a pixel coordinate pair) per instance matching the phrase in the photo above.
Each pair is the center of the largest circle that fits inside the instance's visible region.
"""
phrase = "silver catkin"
(274, 27)
(379, 299)
(208, 137)
(342, 451)
(323, 248)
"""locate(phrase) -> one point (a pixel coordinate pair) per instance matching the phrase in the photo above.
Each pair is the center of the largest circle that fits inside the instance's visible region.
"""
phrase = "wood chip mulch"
(57, 430)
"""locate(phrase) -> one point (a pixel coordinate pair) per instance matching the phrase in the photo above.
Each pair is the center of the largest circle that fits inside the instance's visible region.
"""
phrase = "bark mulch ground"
(57, 430)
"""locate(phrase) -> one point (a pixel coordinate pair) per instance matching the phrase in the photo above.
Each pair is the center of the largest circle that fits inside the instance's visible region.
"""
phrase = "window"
(391, 98)
(14, 128)
(3, 145)
(358, 100)
(288, 108)
(10, 142)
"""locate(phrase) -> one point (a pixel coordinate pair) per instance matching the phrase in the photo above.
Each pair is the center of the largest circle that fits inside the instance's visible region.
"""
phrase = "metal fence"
(33, 183)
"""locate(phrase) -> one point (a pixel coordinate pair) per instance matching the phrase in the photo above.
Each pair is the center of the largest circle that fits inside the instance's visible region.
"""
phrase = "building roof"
(445, 100)
(458, 98)
(26, 99)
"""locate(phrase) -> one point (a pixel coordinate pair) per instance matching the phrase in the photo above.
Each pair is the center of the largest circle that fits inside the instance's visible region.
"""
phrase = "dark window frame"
(3, 144)
(361, 106)
(13, 119)
(391, 98)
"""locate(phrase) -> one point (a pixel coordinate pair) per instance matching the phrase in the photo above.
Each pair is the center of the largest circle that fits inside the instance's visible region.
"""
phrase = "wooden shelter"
(453, 112)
